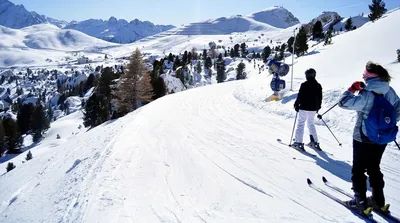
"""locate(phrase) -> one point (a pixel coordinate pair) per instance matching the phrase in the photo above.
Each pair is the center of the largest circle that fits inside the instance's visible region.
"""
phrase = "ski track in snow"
(206, 155)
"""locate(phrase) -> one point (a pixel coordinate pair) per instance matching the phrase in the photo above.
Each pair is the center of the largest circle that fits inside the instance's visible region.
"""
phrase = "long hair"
(379, 70)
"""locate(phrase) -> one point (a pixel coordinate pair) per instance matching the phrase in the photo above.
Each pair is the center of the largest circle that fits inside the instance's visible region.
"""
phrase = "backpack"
(381, 122)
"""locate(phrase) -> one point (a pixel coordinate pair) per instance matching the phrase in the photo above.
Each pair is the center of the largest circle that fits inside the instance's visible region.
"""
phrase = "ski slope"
(211, 154)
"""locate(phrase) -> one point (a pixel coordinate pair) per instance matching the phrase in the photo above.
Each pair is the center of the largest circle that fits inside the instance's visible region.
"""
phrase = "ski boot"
(314, 145)
(360, 203)
(298, 146)
(378, 208)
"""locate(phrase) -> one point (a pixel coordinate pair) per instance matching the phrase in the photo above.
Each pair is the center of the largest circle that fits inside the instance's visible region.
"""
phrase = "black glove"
(296, 108)
(319, 116)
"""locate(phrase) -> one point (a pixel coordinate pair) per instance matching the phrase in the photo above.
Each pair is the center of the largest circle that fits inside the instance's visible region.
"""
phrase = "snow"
(208, 154)
(74, 103)
(36, 44)
(278, 17)
(358, 21)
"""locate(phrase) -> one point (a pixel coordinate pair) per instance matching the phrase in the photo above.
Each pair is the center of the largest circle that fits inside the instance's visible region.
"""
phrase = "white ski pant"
(304, 116)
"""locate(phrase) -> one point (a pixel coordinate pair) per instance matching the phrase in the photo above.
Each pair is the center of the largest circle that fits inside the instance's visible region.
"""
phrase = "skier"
(367, 152)
(307, 104)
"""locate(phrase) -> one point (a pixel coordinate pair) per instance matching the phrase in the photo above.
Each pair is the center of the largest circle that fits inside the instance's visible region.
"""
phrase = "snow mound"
(358, 21)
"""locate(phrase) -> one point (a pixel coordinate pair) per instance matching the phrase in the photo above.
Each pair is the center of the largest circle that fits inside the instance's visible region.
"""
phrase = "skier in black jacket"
(307, 104)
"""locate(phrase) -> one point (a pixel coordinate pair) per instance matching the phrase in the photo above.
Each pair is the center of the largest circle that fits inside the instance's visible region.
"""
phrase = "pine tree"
(29, 156)
(198, 68)
(318, 31)
(220, 69)
(398, 55)
(39, 122)
(185, 58)
(226, 54)
(282, 52)
(190, 57)
(145, 91)
(240, 74)
(90, 82)
(208, 63)
(349, 24)
(91, 112)
(105, 81)
(24, 118)
(266, 53)
(232, 53)
(104, 93)
(180, 75)
(243, 49)
(328, 37)
(301, 45)
(135, 85)
(377, 9)
(204, 54)
(160, 89)
(170, 57)
(177, 63)
(236, 50)
(10, 166)
(2, 138)
(13, 138)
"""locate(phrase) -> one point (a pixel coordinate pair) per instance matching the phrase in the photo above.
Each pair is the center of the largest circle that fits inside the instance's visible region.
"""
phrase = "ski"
(386, 216)
(303, 152)
(368, 217)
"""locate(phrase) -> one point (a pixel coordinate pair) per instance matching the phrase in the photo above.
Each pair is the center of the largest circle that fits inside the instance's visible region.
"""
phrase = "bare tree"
(134, 85)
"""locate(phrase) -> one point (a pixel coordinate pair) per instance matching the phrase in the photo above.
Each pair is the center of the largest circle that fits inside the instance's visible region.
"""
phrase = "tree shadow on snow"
(312, 53)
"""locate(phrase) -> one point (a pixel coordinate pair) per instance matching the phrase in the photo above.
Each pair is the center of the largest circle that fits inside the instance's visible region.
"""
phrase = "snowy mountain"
(326, 18)
(113, 30)
(267, 20)
(118, 31)
(16, 16)
(209, 154)
(278, 17)
(44, 43)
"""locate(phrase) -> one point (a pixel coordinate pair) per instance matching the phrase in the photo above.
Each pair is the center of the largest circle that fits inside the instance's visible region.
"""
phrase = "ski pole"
(294, 124)
(397, 144)
(320, 116)
(340, 144)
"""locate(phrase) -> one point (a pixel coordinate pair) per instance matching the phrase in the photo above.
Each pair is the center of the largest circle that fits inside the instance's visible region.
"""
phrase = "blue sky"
(178, 12)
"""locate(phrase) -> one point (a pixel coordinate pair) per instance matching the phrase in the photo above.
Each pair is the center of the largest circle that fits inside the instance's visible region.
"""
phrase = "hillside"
(211, 154)
(43, 44)
(270, 19)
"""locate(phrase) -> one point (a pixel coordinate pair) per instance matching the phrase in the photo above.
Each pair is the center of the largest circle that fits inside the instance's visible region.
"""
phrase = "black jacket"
(310, 96)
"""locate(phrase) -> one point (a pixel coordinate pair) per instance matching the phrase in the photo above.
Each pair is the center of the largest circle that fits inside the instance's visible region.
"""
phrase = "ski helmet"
(310, 73)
